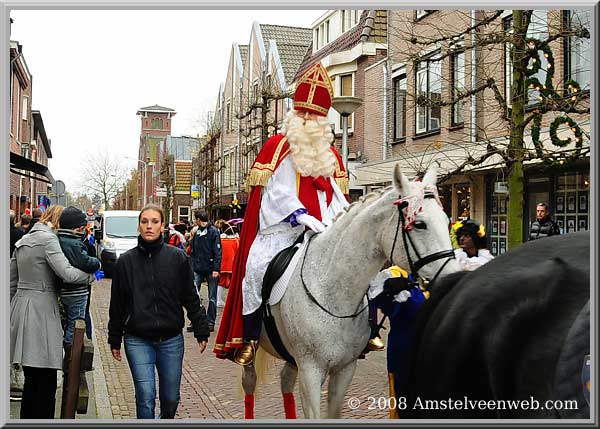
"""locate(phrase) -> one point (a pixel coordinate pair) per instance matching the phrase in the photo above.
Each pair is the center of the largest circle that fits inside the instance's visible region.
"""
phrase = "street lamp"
(145, 167)
(345, 106)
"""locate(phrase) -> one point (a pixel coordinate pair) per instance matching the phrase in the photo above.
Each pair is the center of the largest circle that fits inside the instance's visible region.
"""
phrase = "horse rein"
(314, 300)
(421, 262)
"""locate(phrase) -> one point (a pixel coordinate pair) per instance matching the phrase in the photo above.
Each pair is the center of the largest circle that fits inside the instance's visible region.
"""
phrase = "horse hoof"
(376, 345)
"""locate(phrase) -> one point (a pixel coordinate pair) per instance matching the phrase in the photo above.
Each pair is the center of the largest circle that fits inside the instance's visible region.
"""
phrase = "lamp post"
(345, 106)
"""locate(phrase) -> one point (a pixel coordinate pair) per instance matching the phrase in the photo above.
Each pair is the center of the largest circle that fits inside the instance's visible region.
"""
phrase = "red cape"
(231, 329)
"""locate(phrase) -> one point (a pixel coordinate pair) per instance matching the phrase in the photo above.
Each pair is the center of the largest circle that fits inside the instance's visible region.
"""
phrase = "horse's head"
(417, 233)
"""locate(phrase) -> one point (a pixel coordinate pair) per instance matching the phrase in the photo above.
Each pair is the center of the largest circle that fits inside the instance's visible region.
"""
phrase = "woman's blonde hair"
(51, 216)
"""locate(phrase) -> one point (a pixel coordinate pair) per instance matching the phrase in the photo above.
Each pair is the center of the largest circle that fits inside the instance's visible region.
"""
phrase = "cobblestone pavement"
(211, 388)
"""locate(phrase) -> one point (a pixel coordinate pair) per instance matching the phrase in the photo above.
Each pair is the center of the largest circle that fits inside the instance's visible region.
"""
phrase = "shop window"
(184, 214)
(498, 236)
(571, 202)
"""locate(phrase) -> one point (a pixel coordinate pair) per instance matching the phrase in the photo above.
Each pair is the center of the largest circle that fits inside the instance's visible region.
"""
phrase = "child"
(75, 296)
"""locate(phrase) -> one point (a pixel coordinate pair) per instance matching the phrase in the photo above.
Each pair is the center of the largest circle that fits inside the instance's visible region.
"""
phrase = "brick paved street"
(209, 387)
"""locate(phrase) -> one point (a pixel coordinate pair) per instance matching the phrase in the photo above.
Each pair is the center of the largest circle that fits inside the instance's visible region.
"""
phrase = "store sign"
(195, 191)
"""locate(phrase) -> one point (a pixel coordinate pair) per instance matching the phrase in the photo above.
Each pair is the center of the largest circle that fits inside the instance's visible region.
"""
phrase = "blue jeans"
(213, 283)
(167, 357)
(75, 307)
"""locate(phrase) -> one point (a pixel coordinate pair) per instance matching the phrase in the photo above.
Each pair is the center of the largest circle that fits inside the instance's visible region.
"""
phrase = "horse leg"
(311, 380)
(249, 385)
(288, 377)
(338, 385)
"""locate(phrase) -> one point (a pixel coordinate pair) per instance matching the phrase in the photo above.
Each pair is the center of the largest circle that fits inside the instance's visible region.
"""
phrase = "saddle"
(274, 271)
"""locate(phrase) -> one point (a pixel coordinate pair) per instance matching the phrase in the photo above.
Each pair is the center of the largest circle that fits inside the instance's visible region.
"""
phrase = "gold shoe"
(376, 344)
(245, 355)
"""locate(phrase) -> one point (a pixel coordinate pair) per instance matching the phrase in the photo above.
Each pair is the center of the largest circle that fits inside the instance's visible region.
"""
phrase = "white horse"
(327, 334)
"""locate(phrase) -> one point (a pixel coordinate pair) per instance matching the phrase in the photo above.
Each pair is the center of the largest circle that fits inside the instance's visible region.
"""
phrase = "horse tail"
(263, 361)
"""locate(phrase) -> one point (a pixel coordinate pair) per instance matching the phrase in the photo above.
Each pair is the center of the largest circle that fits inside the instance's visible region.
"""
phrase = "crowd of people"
(297, 183)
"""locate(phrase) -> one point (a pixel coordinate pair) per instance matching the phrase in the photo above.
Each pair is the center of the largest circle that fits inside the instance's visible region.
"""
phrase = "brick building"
(30, 178)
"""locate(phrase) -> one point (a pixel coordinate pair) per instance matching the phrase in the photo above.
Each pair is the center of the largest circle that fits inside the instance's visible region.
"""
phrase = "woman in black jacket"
(150, 285)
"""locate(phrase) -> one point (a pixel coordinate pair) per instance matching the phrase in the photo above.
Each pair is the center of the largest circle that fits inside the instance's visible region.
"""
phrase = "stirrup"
(376, 344)
(245, 355)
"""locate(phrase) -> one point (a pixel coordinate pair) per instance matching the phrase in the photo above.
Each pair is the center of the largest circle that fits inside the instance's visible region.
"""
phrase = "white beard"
(310, 145)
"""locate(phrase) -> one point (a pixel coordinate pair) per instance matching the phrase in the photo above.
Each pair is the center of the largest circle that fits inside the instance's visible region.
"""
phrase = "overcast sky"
(92, 71)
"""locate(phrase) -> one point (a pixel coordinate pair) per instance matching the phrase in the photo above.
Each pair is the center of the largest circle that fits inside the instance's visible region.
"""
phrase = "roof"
(292, 45)
(39, 125)
(347, 40)
(182, 148)
(243, 53)
(183, 176)
(157, 109)
(291, 57)
(284, 34)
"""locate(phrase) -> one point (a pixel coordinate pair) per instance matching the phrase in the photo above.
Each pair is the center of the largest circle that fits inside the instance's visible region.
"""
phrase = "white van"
(117, 233)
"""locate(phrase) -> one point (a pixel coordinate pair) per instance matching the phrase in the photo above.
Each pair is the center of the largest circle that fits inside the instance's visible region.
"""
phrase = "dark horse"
(515, 329)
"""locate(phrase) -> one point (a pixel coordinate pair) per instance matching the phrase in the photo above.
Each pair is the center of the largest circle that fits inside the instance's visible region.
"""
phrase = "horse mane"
(362, 201)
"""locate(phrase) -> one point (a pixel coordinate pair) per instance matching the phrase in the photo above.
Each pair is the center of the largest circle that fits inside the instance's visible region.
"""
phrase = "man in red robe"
(297, 181)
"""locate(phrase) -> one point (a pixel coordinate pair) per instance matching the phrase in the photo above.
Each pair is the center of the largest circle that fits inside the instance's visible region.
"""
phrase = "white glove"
(311, 222)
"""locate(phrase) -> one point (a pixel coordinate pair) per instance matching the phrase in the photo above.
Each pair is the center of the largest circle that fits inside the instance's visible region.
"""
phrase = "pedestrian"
(35, 328)
(75, 297)
(36, 216)
(230, 242)
(206, 260)
(543, 226)
(472, 252)
(25, 222)
(151, 284)
(15, 233)
(297, 181)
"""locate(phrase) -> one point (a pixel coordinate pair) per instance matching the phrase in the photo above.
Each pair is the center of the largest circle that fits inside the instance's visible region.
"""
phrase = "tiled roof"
(183, 176)
(156, 107)
(182, 148)
(346, 41)
(291, 57)
(285, 34)
(243, 53)
(292, 44)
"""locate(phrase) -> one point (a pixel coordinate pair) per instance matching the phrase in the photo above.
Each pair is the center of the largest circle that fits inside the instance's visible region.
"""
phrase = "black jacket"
(78, 255)
(15, 235)
(151, 284)
(206, 250)
(545, 228)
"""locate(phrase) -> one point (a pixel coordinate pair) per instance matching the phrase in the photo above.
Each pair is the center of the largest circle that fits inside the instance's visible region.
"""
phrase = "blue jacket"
(77, 253)
(206, 250)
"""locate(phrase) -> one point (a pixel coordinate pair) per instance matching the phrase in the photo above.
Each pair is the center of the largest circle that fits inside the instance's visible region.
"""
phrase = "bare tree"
(101, 177)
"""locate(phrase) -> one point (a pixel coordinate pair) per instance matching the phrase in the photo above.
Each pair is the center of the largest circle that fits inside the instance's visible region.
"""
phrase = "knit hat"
(72, 218)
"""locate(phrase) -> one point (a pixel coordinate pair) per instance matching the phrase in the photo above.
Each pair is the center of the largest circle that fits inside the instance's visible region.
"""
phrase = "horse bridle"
(421, 262)
(414, 266)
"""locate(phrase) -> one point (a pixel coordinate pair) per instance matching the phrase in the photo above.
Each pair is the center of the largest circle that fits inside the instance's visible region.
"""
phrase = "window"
(429, 90)
(160, 124)
(508, 65)
(326, 31)
(345, 89)
(355, 16)
(228, 117)
(25, 107)
(343, 20)
(184, 214)
(317, 46)
(458, 86)
(579, 50)
(399, 101)
(538, 29)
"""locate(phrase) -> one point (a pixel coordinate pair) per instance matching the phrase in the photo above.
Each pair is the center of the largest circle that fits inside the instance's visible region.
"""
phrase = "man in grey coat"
(35, 327)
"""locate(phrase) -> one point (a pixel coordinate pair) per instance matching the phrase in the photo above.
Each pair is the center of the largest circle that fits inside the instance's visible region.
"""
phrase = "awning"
(18, 162)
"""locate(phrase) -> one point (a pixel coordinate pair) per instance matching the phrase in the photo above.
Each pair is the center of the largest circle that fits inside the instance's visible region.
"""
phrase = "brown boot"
(245, 355)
